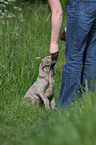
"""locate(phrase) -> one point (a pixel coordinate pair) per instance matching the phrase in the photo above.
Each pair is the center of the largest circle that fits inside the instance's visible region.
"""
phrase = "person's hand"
(63, 35)
(54, 57)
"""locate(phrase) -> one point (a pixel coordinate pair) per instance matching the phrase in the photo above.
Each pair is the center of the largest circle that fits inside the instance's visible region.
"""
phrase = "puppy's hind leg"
(29, 98)
(32, 98)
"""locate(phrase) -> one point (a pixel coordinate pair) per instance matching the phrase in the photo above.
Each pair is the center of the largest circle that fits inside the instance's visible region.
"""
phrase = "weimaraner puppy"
(42, 91)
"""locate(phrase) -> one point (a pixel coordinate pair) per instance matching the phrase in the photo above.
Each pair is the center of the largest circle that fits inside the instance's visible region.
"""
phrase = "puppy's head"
(46, 62)
(45, 66)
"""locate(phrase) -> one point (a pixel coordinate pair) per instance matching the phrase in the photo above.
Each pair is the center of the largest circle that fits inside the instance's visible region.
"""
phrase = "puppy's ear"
(41, 69)
(42, 65)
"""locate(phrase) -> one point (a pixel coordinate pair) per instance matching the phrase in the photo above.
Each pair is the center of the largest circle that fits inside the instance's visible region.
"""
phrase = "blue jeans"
(80, 50)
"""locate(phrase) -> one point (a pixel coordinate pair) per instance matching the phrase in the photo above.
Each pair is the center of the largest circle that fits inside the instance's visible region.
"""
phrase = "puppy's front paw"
(53, 107)
(46, 102)
(47, 107)
(53, 103)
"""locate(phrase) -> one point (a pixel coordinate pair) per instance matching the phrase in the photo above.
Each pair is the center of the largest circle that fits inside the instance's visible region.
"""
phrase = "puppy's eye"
(47, 62)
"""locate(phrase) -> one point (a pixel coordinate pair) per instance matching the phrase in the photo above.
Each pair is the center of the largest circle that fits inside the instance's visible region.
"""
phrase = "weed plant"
(24, 41)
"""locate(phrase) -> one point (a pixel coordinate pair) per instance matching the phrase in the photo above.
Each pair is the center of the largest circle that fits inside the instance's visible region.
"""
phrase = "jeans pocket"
(89, 7)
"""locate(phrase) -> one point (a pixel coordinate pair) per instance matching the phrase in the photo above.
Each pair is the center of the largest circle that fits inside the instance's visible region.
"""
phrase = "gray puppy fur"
(42, 91)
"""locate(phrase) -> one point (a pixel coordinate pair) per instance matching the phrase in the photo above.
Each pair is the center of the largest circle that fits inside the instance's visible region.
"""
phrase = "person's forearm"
(57, 15)
(56, 26)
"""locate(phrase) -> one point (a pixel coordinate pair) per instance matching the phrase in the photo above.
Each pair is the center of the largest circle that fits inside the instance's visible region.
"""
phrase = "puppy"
(42, 91)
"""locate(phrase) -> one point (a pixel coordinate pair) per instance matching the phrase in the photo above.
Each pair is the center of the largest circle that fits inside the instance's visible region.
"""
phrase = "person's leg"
(89, 66)
(78, 27)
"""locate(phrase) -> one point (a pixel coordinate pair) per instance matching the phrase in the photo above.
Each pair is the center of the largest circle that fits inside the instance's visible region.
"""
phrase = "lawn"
(25, 31)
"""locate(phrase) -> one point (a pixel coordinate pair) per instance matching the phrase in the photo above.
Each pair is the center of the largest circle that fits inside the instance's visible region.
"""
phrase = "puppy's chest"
(51, 81)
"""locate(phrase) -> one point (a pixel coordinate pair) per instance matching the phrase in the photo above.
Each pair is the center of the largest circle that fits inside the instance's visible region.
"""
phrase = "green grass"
(23, 38)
